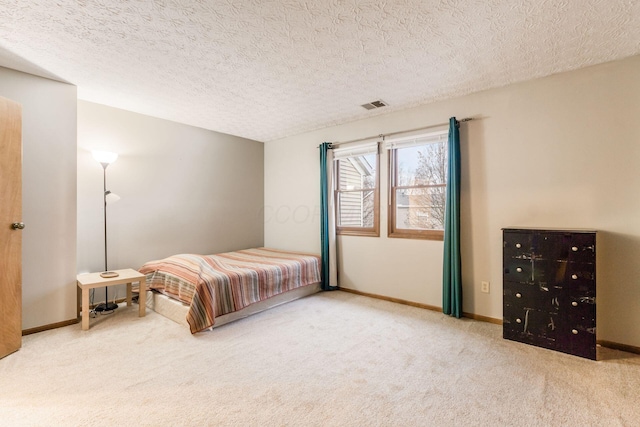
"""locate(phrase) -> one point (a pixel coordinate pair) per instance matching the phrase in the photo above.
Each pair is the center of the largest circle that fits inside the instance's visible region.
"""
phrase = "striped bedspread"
(213, 285)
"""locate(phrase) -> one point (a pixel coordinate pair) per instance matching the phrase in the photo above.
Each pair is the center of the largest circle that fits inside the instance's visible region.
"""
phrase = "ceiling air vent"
(375, 104)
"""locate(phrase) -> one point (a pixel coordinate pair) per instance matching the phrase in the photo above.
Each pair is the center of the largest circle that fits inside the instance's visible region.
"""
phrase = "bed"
(204, 291)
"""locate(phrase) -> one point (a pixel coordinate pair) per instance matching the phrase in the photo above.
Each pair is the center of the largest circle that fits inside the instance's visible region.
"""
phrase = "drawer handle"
(574, 276)
(574, 331)
(518, 245)
(574, 303)
(518, 295)
(519, 270)
(518, 320)
(574, 248)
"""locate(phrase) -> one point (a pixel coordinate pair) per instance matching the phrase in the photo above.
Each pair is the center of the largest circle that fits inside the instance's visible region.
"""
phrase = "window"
(357, 189)
(418, 186)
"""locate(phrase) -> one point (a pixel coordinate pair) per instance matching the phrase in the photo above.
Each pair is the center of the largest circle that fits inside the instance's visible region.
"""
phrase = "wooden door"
(10, 226)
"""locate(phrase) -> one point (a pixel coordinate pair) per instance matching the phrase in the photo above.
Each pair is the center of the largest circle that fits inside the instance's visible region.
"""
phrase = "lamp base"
(108, 274)
(110, 306)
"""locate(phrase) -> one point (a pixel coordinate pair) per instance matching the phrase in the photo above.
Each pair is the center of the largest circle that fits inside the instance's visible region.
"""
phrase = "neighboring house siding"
(351, 203)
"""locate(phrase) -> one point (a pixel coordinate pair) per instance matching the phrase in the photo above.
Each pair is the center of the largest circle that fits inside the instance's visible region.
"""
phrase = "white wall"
(562, 151)
(183, 190)
(48, 196)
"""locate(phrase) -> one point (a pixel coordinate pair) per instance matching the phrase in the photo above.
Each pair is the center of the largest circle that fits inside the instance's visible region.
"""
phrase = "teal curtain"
(327, 238)
(451, 280)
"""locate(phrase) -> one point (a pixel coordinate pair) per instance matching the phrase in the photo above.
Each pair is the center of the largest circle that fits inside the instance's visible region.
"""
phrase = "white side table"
(94, 280)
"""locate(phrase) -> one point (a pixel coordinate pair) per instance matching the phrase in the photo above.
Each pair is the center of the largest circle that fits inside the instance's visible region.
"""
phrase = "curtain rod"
(383, 135)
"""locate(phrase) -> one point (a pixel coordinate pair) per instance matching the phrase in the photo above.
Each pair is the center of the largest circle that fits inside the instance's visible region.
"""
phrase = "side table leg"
(142, 297)
(128, 294)
(78, 302)
(85, 309)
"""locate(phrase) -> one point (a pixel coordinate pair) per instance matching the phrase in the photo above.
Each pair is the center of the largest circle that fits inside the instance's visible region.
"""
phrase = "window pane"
(355, 208)
(358, 172)
(420, 208)
(422, 164)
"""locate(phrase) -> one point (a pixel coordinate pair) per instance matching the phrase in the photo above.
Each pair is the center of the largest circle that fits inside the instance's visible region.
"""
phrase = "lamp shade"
(111, 197)
(107, 157)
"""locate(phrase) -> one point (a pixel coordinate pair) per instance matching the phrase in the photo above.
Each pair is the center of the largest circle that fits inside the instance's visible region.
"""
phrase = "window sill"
(364, 233)
(421, 235)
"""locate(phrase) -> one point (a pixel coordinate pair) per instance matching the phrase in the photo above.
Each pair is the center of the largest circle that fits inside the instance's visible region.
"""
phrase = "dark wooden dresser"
(549, 289)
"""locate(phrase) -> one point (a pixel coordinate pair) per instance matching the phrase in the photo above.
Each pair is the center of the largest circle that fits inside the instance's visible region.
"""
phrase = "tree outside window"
(418, 176)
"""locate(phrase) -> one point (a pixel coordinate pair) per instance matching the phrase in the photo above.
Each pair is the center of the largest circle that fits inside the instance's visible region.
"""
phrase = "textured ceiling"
(265, 69)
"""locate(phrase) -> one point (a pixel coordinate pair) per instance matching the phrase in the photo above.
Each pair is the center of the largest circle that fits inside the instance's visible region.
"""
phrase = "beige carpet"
(332, 359)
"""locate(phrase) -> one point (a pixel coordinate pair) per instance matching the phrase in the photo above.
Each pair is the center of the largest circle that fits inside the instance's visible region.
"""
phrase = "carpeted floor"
(331, 359)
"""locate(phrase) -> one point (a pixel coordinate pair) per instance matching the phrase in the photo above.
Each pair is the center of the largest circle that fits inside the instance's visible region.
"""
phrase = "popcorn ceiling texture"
(265, 69)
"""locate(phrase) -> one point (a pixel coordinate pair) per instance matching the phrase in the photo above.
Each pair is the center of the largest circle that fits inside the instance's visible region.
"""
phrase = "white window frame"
(343, 153)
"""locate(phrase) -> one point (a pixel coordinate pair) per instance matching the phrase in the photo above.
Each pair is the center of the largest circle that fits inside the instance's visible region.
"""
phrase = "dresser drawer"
(574, 247)
(517, 270)
(582, 248)
(579, 308)
(531, 322)
(579, 275)
(580, 340)
(532, 296)
(517, 244)
(531, 327)
(549, 272)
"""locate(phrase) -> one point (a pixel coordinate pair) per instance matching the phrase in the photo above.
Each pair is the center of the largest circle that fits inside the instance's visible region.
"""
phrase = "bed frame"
(177, 311)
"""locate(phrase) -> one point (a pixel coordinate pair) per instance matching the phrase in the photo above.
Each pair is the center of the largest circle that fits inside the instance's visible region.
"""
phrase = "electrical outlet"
(484, 287)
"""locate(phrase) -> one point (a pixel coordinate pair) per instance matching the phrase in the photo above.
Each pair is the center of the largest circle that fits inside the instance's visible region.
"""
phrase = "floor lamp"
(106, 158)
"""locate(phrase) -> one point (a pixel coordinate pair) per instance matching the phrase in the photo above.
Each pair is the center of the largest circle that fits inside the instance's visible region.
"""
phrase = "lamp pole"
(104, 198)
(107, 306)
